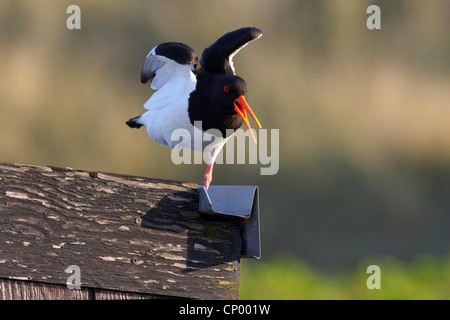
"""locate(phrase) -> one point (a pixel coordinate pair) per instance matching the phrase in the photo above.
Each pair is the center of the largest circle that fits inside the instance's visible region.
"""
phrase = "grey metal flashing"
(236, 202)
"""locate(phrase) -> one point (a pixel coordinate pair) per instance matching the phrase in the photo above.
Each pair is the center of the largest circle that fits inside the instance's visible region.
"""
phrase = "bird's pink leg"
(208, 175)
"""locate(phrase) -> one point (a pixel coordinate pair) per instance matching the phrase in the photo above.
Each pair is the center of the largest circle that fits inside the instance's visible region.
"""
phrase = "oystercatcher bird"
(196, 95)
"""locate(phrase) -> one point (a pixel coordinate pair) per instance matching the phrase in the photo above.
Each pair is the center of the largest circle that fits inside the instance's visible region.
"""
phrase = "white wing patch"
(171, 80)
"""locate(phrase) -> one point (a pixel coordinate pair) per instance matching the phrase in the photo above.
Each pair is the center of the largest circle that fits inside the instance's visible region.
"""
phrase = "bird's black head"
(220, 103)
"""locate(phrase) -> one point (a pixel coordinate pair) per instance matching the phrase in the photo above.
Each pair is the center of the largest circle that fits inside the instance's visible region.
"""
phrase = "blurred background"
(364, 120)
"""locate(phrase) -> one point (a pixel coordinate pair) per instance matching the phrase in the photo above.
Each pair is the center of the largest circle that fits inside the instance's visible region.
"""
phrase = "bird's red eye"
(226, 88)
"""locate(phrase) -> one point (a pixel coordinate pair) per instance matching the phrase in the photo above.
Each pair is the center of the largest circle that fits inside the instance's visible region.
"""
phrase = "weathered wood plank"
(125, 233)
(28, 290)
(25, 290)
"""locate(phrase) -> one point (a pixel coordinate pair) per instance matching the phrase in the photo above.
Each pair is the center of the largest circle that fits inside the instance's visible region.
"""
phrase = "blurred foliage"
(364, 115)
(288, 278)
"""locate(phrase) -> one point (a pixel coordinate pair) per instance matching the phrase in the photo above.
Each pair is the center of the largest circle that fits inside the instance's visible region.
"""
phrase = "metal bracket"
(241, 202)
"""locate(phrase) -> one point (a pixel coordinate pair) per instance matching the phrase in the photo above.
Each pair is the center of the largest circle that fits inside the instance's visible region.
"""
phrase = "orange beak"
(241, 106)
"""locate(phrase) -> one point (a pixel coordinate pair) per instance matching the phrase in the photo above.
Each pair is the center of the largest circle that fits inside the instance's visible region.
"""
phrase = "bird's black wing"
(217, 58)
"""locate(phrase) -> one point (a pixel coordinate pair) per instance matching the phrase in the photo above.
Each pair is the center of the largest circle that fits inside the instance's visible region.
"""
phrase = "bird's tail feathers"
(134, 122)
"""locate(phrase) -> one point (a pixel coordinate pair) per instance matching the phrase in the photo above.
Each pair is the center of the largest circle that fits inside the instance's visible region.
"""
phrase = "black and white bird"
(189, 90)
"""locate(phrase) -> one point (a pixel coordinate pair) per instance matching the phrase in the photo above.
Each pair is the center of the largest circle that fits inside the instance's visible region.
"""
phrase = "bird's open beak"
(241, 106)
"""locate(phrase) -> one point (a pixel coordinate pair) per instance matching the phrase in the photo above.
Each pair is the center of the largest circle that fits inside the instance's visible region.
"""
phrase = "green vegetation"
(288, 278)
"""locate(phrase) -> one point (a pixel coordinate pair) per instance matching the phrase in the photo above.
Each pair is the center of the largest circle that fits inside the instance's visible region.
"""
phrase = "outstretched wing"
(218, 57)
(165, 56)
(170, 69)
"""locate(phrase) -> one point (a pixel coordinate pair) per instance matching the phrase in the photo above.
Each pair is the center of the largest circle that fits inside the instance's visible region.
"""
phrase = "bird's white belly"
(170, 126)
(162, 122)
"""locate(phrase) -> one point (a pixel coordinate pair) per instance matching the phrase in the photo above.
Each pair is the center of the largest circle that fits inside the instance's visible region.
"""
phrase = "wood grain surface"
(127, 234)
